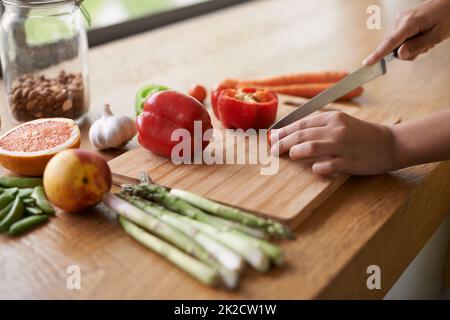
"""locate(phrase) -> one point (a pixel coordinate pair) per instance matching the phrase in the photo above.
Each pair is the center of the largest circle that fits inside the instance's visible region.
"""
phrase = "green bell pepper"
(145, 93)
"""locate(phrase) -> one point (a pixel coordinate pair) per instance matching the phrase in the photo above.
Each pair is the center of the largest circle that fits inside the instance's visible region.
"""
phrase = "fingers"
(329, 167)
(414, 47)
(314, 121)
(313, 160)
(312, 149)
(407, 28)
(297, 137)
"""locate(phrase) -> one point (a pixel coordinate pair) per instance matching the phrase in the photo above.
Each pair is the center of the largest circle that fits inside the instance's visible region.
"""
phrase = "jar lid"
(37, 3)
(30, 3)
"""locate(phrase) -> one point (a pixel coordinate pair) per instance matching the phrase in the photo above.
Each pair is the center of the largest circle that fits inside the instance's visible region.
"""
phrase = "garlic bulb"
(111, 131)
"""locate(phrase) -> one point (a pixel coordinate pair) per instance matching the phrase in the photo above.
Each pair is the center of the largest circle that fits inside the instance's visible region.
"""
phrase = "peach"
(76, 179)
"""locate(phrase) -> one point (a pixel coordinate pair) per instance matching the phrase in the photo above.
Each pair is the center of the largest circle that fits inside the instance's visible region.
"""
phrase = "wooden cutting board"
(289, 196)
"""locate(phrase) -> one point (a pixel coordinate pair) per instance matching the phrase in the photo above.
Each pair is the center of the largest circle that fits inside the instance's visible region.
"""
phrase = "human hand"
(334, 142)
(416, 31)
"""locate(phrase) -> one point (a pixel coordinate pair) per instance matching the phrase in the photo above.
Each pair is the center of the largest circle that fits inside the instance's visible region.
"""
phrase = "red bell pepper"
(165, 112)
(247, 108)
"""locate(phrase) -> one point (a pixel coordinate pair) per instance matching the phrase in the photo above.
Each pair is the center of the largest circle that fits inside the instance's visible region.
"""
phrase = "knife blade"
(346, 85)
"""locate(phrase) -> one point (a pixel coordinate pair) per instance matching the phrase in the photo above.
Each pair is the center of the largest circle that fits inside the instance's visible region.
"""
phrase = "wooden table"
(383, 220)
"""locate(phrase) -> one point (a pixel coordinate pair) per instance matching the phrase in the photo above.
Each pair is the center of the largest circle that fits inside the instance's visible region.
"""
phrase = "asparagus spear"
(247, 249)
(225, 256)
(162, 196)
(156, 227)
(190, 265)
(272, 251)
(231, 213)
(228, 263)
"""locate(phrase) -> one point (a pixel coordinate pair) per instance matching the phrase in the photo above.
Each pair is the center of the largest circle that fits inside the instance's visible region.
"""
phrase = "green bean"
(26, 224)
(5, 199)
(33, 210)
(5, 211)
(11, 182)
(41, 201)
(29, 201)
(25, 192)
(11, 191)
(14, 214)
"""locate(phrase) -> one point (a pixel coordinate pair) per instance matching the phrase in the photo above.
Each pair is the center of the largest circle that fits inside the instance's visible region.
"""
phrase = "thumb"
(412, 48)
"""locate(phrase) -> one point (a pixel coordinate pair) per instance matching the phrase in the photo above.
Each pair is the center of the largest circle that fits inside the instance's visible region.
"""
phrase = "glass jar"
(44, 49)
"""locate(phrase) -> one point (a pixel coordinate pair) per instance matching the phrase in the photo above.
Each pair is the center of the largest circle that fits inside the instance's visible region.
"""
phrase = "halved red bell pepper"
(215, 94)
(247, 108)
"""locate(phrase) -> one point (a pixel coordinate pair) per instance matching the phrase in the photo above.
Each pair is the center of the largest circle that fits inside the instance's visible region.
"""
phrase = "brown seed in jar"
(20, 106)
(17, 94)
(33, 94)
(41, 106)
(31, 105)
(51, 100)
(73, 87)
(48, 110)
(62, 96)
(26, 92)
(39, 98)
(67, 105)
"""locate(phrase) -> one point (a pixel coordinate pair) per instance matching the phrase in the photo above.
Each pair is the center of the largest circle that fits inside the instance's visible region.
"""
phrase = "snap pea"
(5, 211)
(33, 210)
(14, 214)
(25, 192)
(29, 201)
(5, 199)
(14, 182)
(41, 200)
(26, 224)
(11, 191)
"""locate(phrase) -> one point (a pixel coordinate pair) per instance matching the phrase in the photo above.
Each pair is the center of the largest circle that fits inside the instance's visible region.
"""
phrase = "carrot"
(312, 77)
(308, 90)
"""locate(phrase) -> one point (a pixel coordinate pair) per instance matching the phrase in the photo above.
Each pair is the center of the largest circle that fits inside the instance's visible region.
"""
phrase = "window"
(114, 19)
(109, 12)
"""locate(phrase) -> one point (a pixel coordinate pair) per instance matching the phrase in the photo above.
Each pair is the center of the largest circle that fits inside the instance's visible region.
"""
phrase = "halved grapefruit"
(27, 148)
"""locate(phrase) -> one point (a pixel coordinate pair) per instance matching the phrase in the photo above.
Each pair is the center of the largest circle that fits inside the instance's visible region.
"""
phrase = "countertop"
(382, 220)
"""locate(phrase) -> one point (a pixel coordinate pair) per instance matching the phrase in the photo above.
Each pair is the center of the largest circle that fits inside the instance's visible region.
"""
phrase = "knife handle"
(391, 56)
(394, 54)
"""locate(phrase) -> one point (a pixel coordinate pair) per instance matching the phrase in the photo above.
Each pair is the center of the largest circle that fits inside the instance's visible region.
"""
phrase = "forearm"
(422, 141)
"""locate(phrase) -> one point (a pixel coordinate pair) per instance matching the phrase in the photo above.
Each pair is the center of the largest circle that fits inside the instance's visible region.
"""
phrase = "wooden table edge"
(430, 193)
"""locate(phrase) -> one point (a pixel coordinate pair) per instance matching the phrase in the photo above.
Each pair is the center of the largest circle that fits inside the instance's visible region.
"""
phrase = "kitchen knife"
(346, 85)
